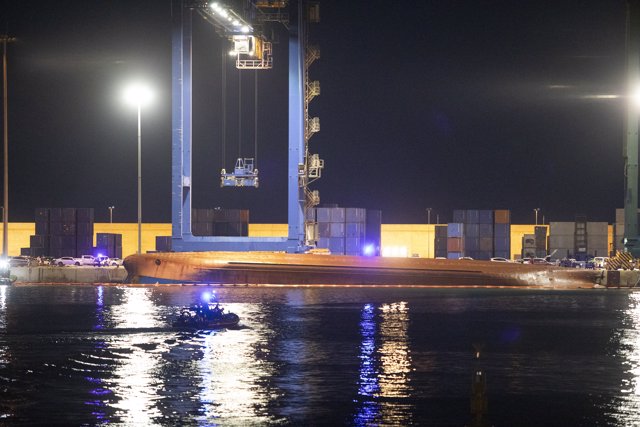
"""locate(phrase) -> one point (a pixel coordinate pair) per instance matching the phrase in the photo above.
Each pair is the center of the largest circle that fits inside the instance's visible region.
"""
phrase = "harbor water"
(108, 355)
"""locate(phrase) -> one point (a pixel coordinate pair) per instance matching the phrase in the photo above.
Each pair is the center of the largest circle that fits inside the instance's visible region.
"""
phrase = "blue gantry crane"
(252, 51)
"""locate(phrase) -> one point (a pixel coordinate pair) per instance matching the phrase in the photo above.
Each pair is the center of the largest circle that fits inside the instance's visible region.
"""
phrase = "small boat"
(205, 316)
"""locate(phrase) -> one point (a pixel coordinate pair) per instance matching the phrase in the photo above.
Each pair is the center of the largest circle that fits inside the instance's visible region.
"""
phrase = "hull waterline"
(262, 268)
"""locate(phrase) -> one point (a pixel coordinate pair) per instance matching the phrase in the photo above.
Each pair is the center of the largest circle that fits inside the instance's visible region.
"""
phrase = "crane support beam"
(296, 122)
(181, 156)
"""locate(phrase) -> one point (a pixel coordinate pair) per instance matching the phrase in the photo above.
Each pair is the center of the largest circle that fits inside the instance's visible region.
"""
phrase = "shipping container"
(84, 241)
(42, 228)
(502, 216)
(25, 251)
(69, 215)
(455, 244)
(482, 255)
(84, 229)
(336, 229)
(486, 230)
(355, 229)
(473, 216)
(469, 244)
(485, 216)
(42, 214)
(597, 228)
(323, 215)
(501, 230)
(355, 215)
(562, 228)
(502, 254)
(85, 215)
(163, 243)
(472, 230)
(202, 229)
(501, 244)
(337, 214)
(353, 245)
(39, 241)
(459, 216)
(486, 245)
(561, 241)
(324, 229)
(55, 214)
(336, 245)
(455, 229)
(454, 255)
(529, 241)
(441, 231)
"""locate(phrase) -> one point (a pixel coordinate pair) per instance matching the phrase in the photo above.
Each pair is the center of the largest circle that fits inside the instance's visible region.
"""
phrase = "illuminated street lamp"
(536, 210)
(139, 95)
(111, 208)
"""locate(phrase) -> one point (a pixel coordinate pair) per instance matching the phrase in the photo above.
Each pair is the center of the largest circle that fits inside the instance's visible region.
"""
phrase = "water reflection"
(385, 366)
(628, 410)
(135, 384)
(232, 377)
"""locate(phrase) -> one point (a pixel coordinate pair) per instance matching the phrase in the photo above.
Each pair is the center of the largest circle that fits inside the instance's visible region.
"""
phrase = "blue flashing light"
(369, 249)
(208, 296)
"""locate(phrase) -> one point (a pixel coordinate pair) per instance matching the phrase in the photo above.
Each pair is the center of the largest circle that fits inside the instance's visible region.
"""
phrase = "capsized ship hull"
(255, 268)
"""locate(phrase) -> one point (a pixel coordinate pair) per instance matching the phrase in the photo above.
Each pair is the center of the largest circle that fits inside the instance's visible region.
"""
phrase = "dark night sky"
(443, 104)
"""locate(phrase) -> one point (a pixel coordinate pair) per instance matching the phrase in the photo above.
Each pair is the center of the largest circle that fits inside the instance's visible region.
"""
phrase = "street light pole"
(139, 182)
(111, 208)
(5, 210)
(138, 95)
(428, 215)
(536, 210)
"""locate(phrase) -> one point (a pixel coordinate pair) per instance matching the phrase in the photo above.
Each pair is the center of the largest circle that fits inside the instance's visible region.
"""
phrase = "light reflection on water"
(108, 355)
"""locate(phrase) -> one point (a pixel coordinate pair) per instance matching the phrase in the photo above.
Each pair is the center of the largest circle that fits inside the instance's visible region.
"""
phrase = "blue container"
(471, 244)
(459, 216)
(486, 230)
(323, 214)
(473, 216)
(455, 230)
(502, 230)
(472, 230)
(485, 217)
(355, 214)
(502, 254)
(454, 255)
(337, 215)
(501, 244)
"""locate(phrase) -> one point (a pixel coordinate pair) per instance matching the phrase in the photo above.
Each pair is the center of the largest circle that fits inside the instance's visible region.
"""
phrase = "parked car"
(600, 261)
(65, 260)
(114, 262)
(19, 261)
(499, 259)
(466, 258)
(101, 260)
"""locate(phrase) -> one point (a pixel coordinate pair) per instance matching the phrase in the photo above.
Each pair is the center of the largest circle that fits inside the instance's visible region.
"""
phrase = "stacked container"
(440, 244)
(62, 232)
(455, 239)
(598, 242)
(163, 243)
(109, 244)
(346, 231)
(373, 230)
(561, 239)
(502, 233)
(220, 222)
(477, 234)
(580, 238)
(540, 233)
(529, 246)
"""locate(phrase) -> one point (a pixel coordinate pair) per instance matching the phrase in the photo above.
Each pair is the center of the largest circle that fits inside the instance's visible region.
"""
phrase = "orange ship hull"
(257, 268)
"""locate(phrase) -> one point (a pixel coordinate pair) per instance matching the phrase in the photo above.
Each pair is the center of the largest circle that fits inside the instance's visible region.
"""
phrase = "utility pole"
(630, 142)
(428, 215)
(536, 210)
(5, 212)
(111, 208)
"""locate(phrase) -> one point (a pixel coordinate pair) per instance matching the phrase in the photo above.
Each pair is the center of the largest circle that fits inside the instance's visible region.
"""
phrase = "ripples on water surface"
(92, 355)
